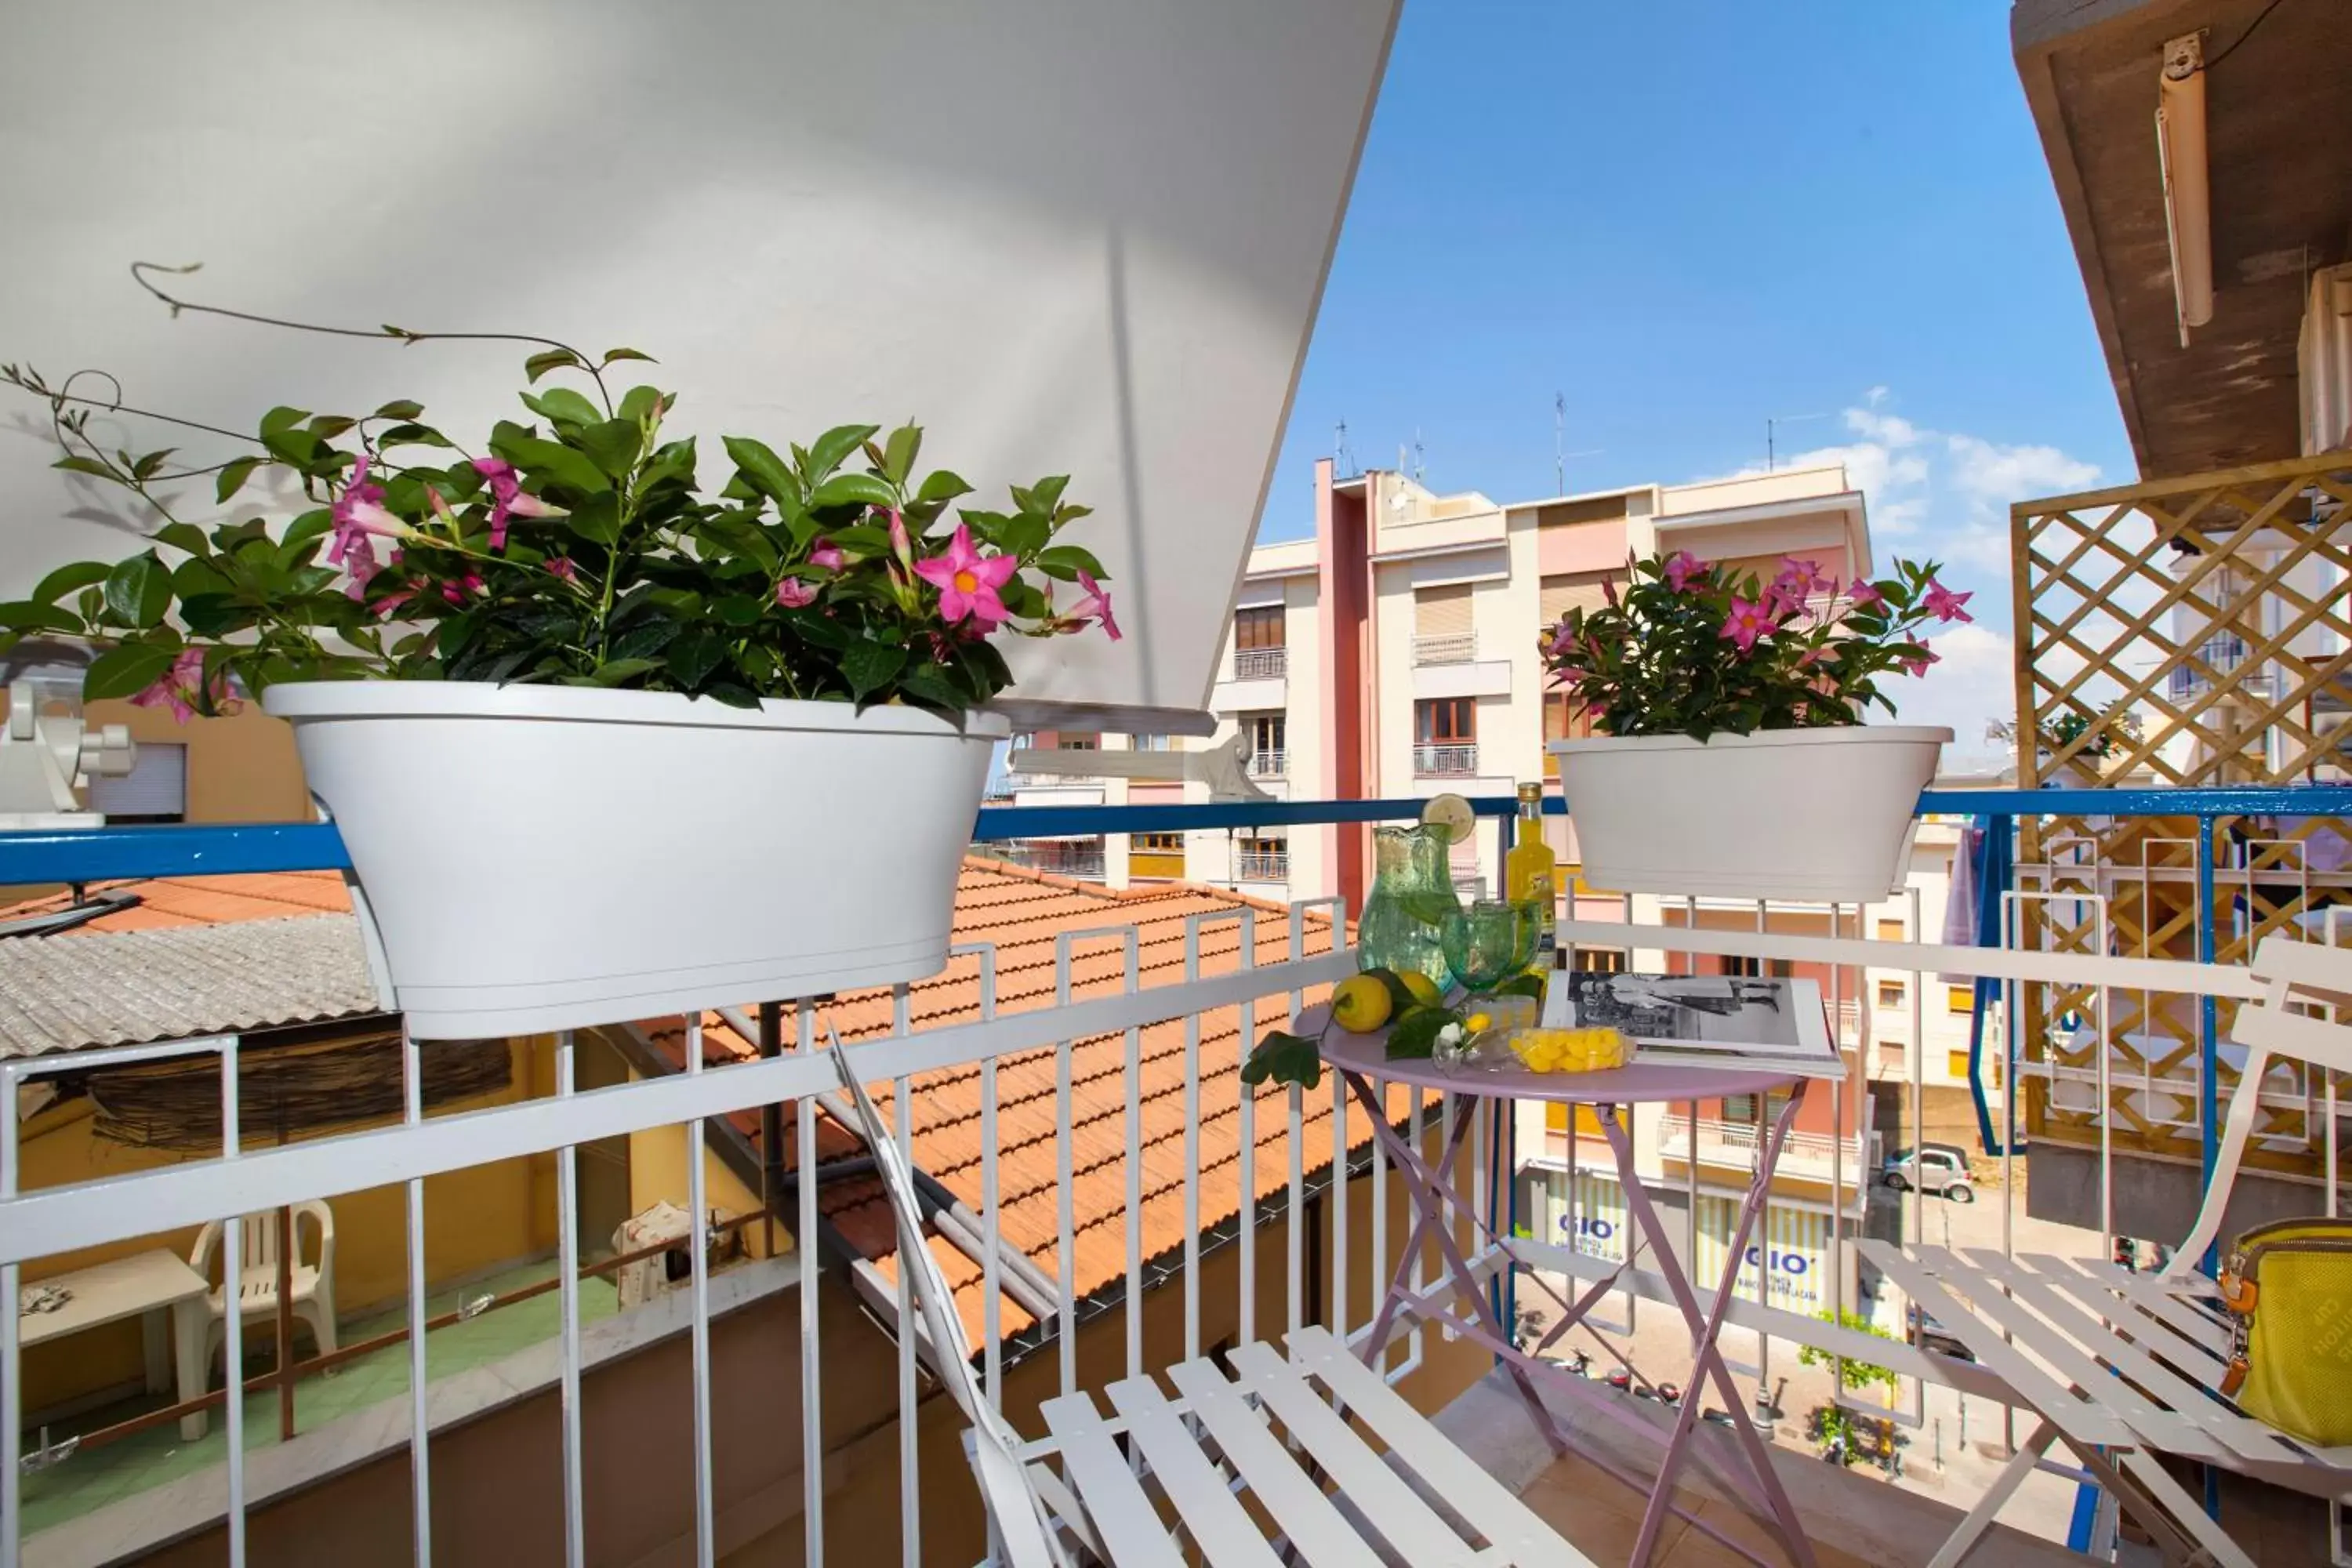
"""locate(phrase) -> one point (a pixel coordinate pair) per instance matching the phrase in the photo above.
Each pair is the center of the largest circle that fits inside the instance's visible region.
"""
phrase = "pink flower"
(828, 555)
(471, 583)
(563, 567)
(792, 593)
(966, 580)
(1863, 595)
(1918, 665)
(1813, 656)
(182, 688)
(900, 545)
(509, 499)
(359, 512)
(391, 601)
(1945, 604)
(1609, 590)
(1095, 606)
(1747, 621)
(1682, 567)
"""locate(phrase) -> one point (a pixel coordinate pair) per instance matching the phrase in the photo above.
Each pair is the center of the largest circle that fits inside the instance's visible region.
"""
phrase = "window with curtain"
(1156, 844)
(1445, 722)
(1265, 733)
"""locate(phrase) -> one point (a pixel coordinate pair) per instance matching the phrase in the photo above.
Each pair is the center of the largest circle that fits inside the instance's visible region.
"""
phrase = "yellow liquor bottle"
(1531, 872)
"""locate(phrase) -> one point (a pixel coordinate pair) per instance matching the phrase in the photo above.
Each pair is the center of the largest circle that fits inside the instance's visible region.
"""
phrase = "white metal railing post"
(1195, 928)
(706, 1545)
(233, 1297)
(992, 1263)
(910, 1505)
(567, 1262)
(812, 1350)
(420, 1464)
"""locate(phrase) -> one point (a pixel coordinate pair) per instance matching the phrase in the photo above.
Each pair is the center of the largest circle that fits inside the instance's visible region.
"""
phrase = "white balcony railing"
(1263, 866)
(1072, 1059)
(1272, 765)
(1738, 1144)
(1260, 663)
(1448, 760)
(1445, 648)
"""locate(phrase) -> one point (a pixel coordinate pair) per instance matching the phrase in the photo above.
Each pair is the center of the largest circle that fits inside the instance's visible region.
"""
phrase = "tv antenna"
(1560, 452)
(1771, 435)
(1343, 456)
(1420, 472)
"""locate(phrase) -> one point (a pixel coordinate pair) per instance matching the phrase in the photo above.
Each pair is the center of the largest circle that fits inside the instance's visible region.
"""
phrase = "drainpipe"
(772, 1127)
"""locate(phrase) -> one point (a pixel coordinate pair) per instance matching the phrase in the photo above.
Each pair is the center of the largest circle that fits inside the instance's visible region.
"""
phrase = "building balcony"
(1262, 866)
(1272, 764)
(1445, 648)
(1066, 1089)
(1260, 663)
(1445, 760)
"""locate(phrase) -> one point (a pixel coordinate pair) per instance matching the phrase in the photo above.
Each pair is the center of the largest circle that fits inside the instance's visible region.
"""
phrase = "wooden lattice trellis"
(2189, 632)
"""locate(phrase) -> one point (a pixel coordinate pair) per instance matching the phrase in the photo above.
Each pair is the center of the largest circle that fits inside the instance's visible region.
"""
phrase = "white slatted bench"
(2125, 1367)
(1286, 1433)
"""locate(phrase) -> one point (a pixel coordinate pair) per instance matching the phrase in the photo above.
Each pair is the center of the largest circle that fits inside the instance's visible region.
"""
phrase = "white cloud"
(1886, 429)
(1974, 682)
(2000, 474)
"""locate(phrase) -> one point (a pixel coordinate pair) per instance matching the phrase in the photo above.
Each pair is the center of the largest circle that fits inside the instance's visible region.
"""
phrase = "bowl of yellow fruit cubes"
(1570, 1050)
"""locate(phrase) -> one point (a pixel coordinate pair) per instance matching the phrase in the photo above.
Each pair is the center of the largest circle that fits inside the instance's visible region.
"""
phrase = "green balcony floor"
(95, 1476)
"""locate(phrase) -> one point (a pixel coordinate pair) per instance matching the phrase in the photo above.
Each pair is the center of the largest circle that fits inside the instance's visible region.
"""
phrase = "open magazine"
(1732, 1021)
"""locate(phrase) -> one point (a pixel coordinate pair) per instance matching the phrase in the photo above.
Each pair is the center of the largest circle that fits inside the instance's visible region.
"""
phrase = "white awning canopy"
(1068, 238)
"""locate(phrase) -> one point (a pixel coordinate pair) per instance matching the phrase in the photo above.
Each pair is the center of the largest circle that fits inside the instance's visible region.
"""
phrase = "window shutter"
(1442, 612)
(1572, 590)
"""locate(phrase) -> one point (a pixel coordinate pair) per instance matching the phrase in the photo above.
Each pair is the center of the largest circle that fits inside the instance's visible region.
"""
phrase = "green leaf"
(614, 444)
(739, 609)
(412, 436)
(853, 489)
(613, 671)
(126, 670)
(401, 408)
(1521, 985)
(640, 403)
(1400, 998)
(33, 615)
(644, 639)
(152, 463)
(282, 418)
(138, 591)
(694, 656)
(68, 579)
(327, 426)
(1285, 1057)
(213, 614)
(834, 446)
(898, 452)
(561, 405)
(311, 525)
(611, 354)
(556, 463)
(943, 486)
(766, 471)
(931, 685)
(1415, 1034)
(597, 519)
(539, 364)
(1067, 561)
(296, 447)
(233, 477)
(1046, 493)
(870, 666)
(78, 465)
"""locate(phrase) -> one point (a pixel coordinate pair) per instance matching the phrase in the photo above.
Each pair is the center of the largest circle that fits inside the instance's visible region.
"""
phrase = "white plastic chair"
(1195, 1456)
(313, 1282)
(2124, 1367)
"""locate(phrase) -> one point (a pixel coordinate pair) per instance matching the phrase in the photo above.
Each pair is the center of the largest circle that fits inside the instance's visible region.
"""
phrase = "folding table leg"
(2004, 1486)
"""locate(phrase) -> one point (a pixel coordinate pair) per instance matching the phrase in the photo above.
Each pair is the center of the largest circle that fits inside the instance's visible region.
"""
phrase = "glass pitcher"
(1412, 898)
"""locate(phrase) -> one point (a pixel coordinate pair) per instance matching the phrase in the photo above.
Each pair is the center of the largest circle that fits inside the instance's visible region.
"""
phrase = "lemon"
(1359, 1004)
(1422, 987)
(1477, 1023)
(1451, 815)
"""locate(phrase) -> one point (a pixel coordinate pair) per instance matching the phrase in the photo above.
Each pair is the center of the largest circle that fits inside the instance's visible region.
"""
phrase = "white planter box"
(1815, 815)
(537, 858)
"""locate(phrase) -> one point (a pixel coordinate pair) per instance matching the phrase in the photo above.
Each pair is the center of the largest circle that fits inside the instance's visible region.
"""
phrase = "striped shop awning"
(1788, 1245)
(1595, 1223)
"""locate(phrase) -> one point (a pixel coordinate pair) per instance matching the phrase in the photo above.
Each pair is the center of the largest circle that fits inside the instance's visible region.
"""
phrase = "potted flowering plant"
(720, 745)
(1729, 755)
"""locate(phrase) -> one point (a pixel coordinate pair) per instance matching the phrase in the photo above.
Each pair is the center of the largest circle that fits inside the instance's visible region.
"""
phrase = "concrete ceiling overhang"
(2281, 174)
(1069, 236)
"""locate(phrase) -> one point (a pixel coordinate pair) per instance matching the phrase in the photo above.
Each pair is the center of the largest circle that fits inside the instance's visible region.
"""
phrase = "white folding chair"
(1188, 1460)
(2125, 1367)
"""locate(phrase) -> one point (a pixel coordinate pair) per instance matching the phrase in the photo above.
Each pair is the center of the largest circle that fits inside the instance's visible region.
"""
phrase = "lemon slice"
(1450, 815)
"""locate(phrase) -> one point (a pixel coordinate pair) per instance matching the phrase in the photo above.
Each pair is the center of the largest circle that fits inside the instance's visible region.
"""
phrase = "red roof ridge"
(1031, 874)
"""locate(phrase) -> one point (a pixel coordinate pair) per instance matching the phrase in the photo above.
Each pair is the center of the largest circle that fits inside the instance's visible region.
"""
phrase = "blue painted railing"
(114, 853)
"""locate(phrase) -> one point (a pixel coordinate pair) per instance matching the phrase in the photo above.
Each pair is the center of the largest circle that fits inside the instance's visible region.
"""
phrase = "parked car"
(1930, 1335)
(1938, 1168)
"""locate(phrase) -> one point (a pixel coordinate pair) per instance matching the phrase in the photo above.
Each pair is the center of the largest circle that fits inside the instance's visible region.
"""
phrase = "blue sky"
(1688, 216)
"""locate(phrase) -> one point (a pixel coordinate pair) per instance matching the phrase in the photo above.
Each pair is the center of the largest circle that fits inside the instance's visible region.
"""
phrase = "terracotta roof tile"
(166, 902)
(1023, 913)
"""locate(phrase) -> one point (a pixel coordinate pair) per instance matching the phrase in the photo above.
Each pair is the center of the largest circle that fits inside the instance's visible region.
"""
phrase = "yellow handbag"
(2288, 1286)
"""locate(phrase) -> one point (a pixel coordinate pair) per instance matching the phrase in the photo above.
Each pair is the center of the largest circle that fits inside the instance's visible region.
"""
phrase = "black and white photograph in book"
(1726, 1009)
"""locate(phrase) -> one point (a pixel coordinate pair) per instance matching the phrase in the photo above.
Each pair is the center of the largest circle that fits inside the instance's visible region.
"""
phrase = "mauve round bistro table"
(1359, 1059)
